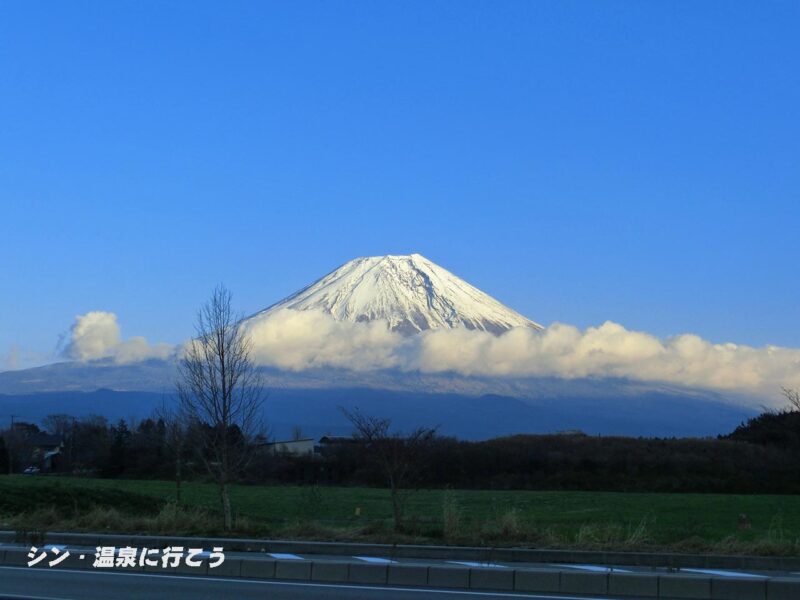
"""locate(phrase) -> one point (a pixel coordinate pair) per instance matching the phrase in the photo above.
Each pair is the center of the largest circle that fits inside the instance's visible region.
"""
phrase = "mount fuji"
(410, 293)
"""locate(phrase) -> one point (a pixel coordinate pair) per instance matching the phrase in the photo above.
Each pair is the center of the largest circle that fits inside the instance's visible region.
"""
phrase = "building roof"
(337, 439)
(289, 442)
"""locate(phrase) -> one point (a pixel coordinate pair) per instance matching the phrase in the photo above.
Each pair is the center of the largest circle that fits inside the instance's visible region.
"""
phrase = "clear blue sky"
(580, 161)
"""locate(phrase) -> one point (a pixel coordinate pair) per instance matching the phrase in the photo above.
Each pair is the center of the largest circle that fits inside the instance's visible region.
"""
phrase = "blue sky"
(579, 161)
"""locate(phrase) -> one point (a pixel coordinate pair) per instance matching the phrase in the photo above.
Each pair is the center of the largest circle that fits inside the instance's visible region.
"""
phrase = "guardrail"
(619, 585)
(640, 559)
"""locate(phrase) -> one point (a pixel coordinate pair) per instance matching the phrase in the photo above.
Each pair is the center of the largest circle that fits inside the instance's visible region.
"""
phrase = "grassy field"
(686, 522)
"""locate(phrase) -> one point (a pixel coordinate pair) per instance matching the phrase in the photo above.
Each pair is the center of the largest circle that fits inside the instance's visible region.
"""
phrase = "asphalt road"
(38, 584)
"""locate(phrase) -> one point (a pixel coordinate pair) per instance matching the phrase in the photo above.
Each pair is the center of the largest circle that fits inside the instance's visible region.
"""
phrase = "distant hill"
(317, 412)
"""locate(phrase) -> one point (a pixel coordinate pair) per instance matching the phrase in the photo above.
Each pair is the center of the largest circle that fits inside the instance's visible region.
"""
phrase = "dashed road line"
(375, 559)
(595, 568)
(285, 556)
(724, 573)
(468, 563)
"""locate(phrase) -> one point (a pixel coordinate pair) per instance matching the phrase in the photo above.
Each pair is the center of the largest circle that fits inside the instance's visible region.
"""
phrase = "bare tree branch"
(176, 432)
(400, 457)
(221, 390)
(793, 396)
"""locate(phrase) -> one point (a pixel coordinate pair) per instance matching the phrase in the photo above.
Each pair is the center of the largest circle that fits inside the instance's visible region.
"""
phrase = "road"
(38, 584)
(596, 568)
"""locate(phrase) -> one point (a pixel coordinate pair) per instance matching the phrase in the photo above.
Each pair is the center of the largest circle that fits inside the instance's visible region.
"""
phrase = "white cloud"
(297, 340)
(138, 348)
(93, 335)
(97, 335)
(610, 350)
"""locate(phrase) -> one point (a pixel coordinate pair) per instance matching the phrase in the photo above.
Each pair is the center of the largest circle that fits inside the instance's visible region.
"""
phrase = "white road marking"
(724, 573)
(285, 556)
(303, 584)
(29, 597)
(467, 563)
(58, 546)
(595, 568)
(375, 559)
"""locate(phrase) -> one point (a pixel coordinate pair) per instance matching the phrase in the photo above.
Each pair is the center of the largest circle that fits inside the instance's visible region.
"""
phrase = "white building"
(304, 447)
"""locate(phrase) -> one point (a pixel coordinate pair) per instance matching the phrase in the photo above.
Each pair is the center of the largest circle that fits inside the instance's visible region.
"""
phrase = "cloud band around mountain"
(299, 340)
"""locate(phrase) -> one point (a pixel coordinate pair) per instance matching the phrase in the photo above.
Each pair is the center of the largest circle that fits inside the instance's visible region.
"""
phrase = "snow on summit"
(409, 292)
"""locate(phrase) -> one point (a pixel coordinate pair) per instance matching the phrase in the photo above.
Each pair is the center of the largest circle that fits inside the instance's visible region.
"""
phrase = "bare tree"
(176, 429)
(58, 424)
(220, 389)
(399, 457)
(18, 450)
(11, 441)
(793, 396)
(63, 425)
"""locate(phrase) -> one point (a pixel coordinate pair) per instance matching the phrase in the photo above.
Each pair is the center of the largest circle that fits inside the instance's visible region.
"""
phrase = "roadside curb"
(466, 553)
(638, 585)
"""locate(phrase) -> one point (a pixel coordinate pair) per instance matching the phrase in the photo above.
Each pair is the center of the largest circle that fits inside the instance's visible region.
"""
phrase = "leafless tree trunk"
(220, 390)
(400, 457)
(10, 441)
(16, 449)
(176, 425)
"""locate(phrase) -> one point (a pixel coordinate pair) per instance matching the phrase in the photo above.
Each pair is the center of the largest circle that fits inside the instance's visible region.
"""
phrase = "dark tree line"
(555, 462)
(94, 446)
(760, 456)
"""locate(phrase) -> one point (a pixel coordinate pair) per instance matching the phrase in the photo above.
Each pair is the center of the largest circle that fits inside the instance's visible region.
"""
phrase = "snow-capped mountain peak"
(409, 292)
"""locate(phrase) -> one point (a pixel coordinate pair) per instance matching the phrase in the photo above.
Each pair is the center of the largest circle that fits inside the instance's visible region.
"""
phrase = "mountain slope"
(317, 411)
(410, 293)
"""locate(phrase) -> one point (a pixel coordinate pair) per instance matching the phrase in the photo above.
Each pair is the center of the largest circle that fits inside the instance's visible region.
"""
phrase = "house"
(45, 449)
(329, 443)
(336, 440)
(307, 446)
(303, 447)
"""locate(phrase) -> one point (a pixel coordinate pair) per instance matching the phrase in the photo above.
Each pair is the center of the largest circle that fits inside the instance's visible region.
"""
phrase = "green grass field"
(687, 522)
